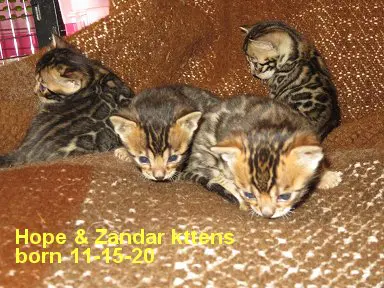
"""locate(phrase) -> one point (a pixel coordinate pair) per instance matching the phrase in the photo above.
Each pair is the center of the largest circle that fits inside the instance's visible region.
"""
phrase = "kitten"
(77, 97)
(158, 126)
(295, 72)
(260, 151)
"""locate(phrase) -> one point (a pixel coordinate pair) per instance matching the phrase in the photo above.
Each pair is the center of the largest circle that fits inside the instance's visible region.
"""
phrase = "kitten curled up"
(158, 127)
(261, 151)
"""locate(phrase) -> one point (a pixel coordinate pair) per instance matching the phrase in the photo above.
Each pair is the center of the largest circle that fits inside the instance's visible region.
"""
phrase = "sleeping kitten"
(158, 127)
(259, 150)
(78, 95)
(295, 71)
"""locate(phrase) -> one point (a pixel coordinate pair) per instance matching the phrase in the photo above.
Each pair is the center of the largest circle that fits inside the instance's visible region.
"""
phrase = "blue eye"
(172, 158)
(284, 197)
(143, 159)
(249, 195)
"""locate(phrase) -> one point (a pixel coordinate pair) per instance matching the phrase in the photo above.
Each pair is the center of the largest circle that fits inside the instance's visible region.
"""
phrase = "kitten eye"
(143, 159)
(284, 197)
(172, 158)
(249, 195)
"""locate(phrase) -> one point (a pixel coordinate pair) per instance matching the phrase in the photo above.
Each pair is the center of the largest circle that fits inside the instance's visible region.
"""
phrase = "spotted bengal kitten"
(158, 127)
(295, 72)
(261, 151)
(77, 97)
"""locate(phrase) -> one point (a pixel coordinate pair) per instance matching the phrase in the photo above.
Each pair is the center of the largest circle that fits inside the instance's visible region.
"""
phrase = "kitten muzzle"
(49, 94)
(159, 174)
(267, 212)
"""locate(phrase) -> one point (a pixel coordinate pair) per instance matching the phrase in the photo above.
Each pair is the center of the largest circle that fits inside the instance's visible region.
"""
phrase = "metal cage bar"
(28, 27)
(13, 29)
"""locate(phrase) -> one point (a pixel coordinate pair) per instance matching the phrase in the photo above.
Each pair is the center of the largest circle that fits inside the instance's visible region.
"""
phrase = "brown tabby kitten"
(158, 127)
(78, 95)
(259, 150)
(295, 71)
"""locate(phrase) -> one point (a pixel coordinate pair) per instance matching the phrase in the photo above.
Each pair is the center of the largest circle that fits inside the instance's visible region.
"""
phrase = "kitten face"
(272, 180)
(60, 72)
(262, 58)
(159, 151)
(268, 50)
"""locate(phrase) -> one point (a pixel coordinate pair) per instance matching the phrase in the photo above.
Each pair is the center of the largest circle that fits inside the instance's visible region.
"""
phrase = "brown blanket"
(334, 240)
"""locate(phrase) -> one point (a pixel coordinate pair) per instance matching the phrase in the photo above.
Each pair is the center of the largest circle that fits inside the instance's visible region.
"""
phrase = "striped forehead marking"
(157, 139)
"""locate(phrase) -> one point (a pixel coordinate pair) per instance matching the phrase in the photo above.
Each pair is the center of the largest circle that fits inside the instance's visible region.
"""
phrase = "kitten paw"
(330, 179)
(122, 154)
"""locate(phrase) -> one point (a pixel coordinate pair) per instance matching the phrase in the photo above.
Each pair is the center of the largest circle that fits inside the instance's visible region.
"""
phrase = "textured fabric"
(335, 239)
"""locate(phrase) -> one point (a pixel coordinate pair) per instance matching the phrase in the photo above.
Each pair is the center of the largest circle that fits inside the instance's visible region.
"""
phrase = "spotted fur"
(296, 73)
(158, 127)
(258, 150)
(77, 97)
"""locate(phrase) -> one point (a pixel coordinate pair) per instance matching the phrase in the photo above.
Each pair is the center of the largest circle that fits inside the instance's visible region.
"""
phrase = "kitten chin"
(157, 129)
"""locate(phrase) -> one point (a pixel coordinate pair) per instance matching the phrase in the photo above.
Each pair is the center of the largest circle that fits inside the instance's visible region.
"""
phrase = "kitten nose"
(159, 174)
(267, 212)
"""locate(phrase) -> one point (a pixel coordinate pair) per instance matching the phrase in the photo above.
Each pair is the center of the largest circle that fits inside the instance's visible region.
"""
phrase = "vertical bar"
(1, 52)
(13, 29)
(58, 32)
(28, 27)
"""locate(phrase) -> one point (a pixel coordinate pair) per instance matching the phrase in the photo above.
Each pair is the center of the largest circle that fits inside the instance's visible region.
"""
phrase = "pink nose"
(159, 174)
(267, 212)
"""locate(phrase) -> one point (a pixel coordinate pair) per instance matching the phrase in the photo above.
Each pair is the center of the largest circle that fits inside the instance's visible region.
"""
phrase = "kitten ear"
(58, 42)
(228, 154)
(74, 79)
(190, 121)
(73, 74)
(261, 45)
(68, 73)
(246, 28)
(308, 156)
(182, 131)
(229, 150)
(122, 126)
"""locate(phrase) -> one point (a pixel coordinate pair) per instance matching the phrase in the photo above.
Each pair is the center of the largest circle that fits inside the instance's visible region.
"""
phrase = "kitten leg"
(122, 154)
(231, 188)
(329, 179)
